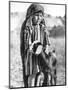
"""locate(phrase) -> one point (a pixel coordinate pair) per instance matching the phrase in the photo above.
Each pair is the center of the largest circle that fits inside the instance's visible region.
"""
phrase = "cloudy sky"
(54, 10)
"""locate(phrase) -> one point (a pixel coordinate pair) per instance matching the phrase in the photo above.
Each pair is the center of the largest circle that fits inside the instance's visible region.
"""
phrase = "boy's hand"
(31, 46)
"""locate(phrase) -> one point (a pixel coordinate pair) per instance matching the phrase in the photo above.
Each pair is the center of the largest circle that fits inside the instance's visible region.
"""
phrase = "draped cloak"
(29, 33)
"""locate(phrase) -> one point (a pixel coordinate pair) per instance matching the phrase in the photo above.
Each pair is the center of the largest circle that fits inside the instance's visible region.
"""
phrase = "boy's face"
(37, 17)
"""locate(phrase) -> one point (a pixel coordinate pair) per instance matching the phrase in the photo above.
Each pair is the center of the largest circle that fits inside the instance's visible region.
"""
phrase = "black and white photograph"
(37, 55)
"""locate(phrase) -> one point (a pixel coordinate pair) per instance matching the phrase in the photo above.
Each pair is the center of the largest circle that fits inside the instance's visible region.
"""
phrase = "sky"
(54, 10)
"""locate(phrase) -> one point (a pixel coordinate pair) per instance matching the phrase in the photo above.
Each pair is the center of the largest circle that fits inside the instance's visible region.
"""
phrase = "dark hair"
(34, 8)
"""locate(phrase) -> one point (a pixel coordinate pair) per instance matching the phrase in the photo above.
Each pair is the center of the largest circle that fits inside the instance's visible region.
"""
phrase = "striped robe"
(30, 34)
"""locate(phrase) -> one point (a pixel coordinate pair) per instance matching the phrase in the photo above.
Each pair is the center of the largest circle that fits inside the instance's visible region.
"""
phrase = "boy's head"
(37, 18)
(37, 13)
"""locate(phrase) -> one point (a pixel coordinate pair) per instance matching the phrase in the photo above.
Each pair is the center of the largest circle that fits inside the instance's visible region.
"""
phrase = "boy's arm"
(46, 42)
